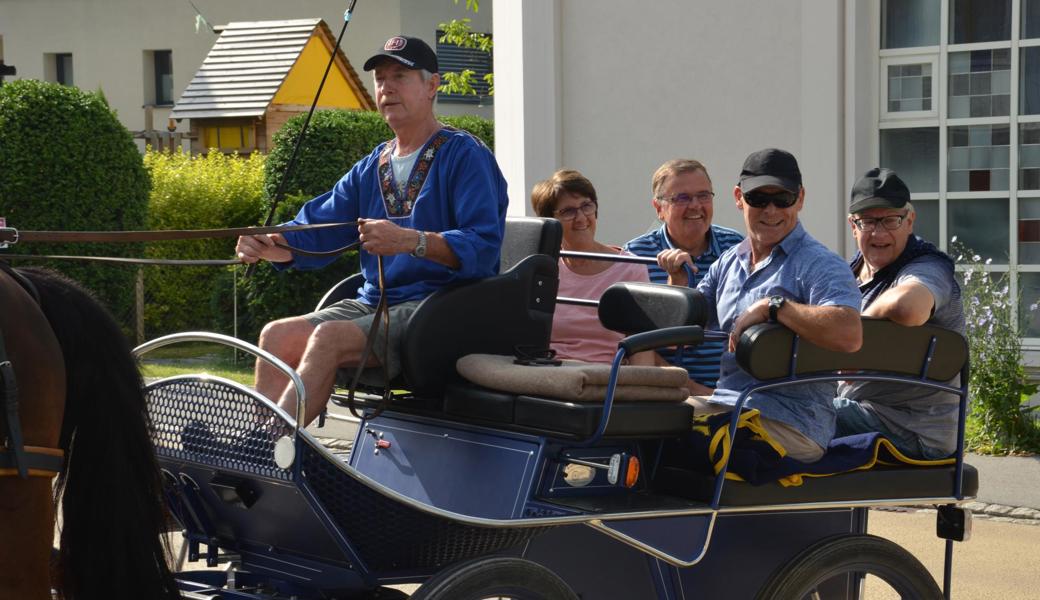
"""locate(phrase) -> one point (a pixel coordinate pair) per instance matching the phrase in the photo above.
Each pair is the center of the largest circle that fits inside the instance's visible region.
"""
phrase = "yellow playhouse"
(256, 76)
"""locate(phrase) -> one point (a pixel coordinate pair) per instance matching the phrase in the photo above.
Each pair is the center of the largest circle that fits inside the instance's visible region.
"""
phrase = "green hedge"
(202, 192)
(335, 140)
(67, 163)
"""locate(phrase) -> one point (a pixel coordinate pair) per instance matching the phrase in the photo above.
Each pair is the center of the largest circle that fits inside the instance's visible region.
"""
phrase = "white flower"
(989, 261)
(953, 239)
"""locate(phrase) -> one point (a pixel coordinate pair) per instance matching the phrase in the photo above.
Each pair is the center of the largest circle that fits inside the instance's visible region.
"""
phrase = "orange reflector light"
(632, 472)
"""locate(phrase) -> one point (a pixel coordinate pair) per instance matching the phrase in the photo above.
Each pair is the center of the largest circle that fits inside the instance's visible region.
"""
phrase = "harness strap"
(35, 461)
(15, 452)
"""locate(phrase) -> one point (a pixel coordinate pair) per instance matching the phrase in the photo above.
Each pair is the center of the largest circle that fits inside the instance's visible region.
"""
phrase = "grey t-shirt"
(931, 415)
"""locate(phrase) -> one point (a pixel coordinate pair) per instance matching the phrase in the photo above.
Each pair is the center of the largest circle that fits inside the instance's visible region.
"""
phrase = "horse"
(79, 392)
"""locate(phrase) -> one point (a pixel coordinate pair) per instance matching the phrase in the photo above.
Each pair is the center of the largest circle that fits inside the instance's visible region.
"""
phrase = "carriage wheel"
(824, 570)
(495, 577)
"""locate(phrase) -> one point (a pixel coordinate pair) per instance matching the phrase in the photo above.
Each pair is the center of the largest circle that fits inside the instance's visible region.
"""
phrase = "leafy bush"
(999, 420)
(335, 140)
(67, 163)
(202, 192)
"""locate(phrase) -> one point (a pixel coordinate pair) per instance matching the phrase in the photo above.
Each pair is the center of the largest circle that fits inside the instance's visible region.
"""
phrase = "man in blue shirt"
(779, 273)
(431, 202)
(685, 246)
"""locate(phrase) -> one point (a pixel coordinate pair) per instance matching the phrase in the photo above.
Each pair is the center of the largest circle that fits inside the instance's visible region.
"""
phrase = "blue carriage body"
(454, 472)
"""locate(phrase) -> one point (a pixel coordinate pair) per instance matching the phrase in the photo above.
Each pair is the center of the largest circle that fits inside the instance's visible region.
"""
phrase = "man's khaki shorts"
(362, 314)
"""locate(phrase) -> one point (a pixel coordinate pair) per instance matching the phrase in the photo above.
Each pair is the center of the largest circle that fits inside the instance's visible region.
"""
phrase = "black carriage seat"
(765, 352)
(491, 315)
(630, 308)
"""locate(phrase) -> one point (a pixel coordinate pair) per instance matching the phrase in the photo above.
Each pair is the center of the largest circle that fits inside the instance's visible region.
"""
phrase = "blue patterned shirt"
(801, 269)
(702, 362)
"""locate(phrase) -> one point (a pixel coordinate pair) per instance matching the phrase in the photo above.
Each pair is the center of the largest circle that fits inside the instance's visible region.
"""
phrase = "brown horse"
(78, 391)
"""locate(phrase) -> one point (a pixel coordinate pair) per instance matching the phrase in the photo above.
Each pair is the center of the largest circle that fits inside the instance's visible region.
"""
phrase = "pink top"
(577, 332)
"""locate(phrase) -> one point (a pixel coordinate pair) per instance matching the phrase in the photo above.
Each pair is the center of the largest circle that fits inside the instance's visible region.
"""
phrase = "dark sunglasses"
(782, 199)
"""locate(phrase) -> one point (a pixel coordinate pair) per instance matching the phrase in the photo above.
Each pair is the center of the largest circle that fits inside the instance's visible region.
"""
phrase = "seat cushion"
(574, 380)
(556, 418)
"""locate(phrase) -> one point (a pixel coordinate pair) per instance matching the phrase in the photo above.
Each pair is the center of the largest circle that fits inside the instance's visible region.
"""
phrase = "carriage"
(477, 490)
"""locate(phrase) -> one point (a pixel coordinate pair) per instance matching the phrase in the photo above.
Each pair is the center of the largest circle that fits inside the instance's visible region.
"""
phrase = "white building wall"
(639, 85)
(107, 38)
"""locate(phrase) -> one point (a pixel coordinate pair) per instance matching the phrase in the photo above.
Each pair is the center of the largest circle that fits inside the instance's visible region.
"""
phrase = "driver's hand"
(252, 248)
(756, 313)
(383, 238)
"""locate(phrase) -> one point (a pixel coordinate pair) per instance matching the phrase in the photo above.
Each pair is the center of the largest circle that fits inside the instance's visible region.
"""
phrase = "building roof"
(248, 64)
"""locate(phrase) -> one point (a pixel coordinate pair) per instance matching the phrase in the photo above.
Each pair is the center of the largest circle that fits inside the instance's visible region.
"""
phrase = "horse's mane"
(111, 489)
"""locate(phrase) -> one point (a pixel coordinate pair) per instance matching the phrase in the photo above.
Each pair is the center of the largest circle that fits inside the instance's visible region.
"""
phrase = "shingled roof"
(247, 65)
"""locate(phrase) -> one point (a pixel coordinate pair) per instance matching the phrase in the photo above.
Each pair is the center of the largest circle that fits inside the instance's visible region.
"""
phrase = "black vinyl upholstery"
(560, 419)
(491, 316)
(638, 307)
(765, 349)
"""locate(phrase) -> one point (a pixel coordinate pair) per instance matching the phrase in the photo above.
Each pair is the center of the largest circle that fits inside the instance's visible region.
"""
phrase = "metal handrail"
(226, 340)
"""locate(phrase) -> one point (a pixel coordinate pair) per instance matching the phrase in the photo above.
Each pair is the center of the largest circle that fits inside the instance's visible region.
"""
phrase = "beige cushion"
(574, 380)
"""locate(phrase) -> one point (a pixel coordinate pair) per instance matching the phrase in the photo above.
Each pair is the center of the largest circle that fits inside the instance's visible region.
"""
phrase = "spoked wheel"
(839, 566)
(494, 578)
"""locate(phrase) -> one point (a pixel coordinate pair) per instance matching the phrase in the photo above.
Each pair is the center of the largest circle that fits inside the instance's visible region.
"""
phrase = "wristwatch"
(420, 246)
(775, 302)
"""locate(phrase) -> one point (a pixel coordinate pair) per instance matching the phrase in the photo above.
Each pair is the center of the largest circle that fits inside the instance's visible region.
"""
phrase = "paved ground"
(1000, 562)
(1008, 480)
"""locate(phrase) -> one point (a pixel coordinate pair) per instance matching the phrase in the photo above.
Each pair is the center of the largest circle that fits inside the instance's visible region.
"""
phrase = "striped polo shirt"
(702, 362)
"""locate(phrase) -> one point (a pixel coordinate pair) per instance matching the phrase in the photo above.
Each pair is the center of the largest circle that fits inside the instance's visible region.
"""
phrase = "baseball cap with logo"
(771, 166)
(411, 52)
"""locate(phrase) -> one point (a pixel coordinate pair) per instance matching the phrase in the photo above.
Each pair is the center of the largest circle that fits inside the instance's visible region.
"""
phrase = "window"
(1030, 18)
(980, 83)
(914, 154)
(1029, 156)
(909, 87)
(63, 68)
(981, 225)
(454, 59)
(228, 137)
(163, 65)
(979, 158)
(910, 23)
(979, 21)
(971, 158)
(1029, 81)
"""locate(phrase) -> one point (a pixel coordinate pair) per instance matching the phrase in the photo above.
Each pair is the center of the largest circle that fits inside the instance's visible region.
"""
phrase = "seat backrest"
(765, 350)
(630, 308)
(525, 236)
(490, 316)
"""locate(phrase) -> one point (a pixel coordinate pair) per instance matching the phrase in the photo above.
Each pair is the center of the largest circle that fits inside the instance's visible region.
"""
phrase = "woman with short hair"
(577, 334)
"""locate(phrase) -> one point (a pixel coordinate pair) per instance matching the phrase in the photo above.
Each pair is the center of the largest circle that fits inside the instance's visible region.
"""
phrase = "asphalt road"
(1008, 480)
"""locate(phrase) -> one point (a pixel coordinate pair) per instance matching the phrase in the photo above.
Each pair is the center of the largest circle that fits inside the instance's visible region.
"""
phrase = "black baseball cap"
(411, 52)
(879, 188)
(771, 166)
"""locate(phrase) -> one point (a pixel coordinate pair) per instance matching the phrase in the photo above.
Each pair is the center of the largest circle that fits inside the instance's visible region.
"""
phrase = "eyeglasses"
(684, 199)
(891, 222)
(782, 199)
(569, 214)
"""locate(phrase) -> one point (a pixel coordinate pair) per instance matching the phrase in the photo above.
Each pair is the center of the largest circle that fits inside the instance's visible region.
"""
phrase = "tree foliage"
(460, 33)
(67, 163)
(196, 192)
